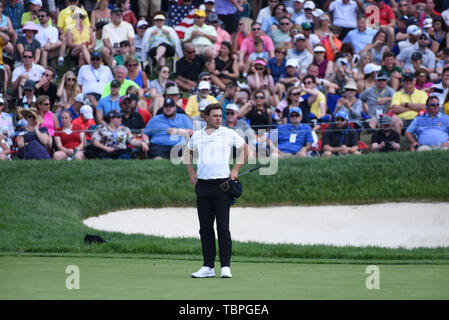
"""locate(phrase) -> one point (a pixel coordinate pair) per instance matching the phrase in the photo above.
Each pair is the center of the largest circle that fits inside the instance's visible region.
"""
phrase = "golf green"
(24, 277)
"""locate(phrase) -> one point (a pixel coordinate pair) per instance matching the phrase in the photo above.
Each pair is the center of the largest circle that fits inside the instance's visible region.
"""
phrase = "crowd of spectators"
(125, 79)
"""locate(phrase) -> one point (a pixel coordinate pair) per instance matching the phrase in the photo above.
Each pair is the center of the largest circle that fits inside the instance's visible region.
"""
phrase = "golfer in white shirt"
(214, 145)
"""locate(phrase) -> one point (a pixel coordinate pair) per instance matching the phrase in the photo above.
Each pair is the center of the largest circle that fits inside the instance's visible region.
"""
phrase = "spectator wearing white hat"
(324, 65)
(194, 100)
(350, 104)
(199, 121)
(309, 7)
(369, 70)
(291, 76)
(413, 33)
(300, 53)
(141, 27)
(298, 9)
(85, 121)
(428, 57)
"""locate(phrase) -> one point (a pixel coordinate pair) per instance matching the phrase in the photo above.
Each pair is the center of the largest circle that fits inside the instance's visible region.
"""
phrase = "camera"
(388, 144)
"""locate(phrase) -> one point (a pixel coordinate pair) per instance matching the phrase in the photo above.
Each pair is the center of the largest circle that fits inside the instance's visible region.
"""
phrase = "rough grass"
(42, 203)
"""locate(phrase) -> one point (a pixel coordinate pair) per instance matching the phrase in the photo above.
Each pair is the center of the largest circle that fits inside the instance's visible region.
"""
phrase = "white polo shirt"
(214, 151)
(93, 80)
(345, 15)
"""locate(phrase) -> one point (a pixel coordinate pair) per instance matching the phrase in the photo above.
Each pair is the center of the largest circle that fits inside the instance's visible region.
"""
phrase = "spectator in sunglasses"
(274, 21)
(26, 71)
(340, 138)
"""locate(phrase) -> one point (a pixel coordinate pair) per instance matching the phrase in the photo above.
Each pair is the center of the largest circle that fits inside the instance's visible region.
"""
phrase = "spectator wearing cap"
(276, 65)
(241, 127)
(377, 99)
(224, 68)
(292, 139)
(259, 79)
(413, 33)
(120, 74)
(69, 140)
(248, 45)
(125, 52)
(344, 13)
(28, 100)
(360, 37)
(199, 121)
(206, 76)
(201, 35)
(48, 37)
(340, 76)
(291, 76)
(431, 130)
(407, 103)
(188, 68)
(85, 121)
(299, 52)
(351, 105)
(139, 104)
(27, 41)
(167, 130)
(67, 20)
(160, 41)
(92, 78)
(32, 138)
(116, 31)
(369, 76)
(110, 102)
(111, 139)
(340, 138)
(311, 38)
(31, 16)
(132, 119)
(298, 9)
(193, 101)
(385, 139)
(45, 85)
(80, 39)
(141, 27)
(309, 7)
(281, 35)
(428, 57)
(325, 66)
(27, 71)
(173, 93)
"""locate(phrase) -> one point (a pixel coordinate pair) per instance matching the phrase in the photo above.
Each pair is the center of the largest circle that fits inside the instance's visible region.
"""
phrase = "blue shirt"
(431, 131)
(360, 39)
(15, 14)
(72, 111)
(106, 104)
(286, 133)
(157, 128)
(276, 71)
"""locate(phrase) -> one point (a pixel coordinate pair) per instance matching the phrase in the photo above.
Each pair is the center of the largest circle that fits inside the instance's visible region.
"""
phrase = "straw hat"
(33, 111)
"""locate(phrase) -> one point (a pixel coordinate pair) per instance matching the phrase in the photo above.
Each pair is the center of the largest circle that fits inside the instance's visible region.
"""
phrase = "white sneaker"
(226, 272)
(204, 272)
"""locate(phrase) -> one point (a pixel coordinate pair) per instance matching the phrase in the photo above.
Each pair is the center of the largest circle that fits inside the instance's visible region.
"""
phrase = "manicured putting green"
(118, 278)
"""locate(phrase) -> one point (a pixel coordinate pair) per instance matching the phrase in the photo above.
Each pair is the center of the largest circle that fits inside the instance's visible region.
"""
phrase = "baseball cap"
(203, 104)
(342, 61)
(412, 21)
(125, 42)
(141, 23)
(115, 84)
(413, 30)
(232, 106)
(306, 25)
(291, 63)
(317, 13)
(403, 18)
(299, 36)
(36, 2)
(424, 34)
(204, 85)
(370, 68)
(309, 5)
(95, 54)
(319, 48)
(209, 1)
(116, 9)
(295, 110)
(79, 98)
(114, 114)
(342, 114)
(416, 55)
(428, 23)
(385, 120)
(29, 85)
(212, 17)
(409, 76)
(200, 13)
(300, 1)
(381, 76)
(87, 112)
(202, 74)
(169, 102)
(172, 90)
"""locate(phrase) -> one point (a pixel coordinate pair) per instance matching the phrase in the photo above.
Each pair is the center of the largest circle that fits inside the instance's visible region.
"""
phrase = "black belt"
(213, 181)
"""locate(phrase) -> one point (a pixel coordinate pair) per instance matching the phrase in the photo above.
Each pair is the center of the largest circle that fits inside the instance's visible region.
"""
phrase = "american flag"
(180, 18)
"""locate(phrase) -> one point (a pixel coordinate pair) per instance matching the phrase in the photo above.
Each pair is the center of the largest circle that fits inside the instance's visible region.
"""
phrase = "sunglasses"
(308, 82)
(434, 105)
(132, 65)
(29, 116)
(207, 79)
(295, 31)
(285, 24)
(259, 97)
(45, 104)
(256, 29)
(259, 68)
(283, 52)
(294, 115)
(41, 16)
(403, 4)
(190, 52)
(70, 79)
(296, 93)
(229, 112)
(196, 17)
(48, 75)
(28, 57)
(340, 119)
(95, 58)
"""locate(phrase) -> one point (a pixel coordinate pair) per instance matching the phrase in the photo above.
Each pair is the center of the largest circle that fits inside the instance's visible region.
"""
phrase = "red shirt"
(78, 122)
(72, 140)
(146, 115)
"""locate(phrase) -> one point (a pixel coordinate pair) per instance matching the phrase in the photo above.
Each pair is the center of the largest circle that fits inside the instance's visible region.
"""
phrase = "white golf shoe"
(204, 272)
(226, 272)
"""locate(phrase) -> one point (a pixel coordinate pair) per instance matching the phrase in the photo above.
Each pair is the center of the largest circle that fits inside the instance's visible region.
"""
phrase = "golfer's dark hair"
(213, 106)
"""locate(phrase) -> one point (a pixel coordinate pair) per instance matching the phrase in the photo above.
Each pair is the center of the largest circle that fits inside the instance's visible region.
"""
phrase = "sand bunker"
(392, 225)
